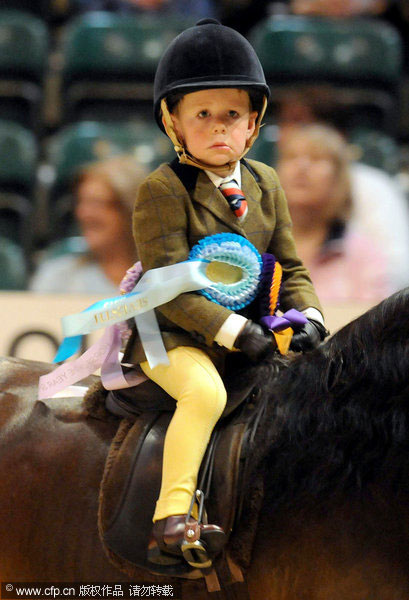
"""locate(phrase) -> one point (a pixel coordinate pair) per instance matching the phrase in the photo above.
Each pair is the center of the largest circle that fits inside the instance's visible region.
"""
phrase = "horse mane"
(338, 417)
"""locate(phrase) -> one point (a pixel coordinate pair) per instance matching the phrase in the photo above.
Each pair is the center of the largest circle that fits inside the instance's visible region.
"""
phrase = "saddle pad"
(131, 486)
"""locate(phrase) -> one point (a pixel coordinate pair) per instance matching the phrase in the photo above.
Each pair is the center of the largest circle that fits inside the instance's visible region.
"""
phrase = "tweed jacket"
(169, 219)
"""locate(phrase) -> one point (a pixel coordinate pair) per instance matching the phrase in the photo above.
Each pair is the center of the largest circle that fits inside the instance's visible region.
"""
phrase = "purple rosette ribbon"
(292, 318)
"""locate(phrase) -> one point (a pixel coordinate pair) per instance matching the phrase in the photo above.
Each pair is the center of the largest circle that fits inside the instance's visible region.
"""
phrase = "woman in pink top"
(344, 264)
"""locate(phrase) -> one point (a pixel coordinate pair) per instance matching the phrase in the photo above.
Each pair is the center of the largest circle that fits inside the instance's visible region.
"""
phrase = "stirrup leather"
(194, 552)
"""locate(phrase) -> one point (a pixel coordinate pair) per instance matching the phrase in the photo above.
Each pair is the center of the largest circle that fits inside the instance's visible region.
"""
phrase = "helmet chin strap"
(186, 158)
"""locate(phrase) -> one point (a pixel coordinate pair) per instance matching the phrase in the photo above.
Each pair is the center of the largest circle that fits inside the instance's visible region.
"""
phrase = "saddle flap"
(131, 486)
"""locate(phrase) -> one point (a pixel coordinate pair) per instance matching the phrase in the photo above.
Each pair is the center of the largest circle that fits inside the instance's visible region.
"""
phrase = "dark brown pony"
(333, 450)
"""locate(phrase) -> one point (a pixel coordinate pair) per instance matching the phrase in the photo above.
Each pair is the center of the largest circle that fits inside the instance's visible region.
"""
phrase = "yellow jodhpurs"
(194, 382)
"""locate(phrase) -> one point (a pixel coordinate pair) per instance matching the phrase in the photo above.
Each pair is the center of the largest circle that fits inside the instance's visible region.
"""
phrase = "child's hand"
(254, 343)
(308, 337)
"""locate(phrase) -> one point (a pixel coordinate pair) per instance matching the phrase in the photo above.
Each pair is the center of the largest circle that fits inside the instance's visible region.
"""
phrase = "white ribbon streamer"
(156, 287)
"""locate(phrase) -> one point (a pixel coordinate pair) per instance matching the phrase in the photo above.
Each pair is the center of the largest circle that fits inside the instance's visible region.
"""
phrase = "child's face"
(215, 124)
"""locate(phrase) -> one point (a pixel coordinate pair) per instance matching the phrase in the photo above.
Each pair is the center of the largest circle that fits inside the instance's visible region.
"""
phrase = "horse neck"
(345, 548)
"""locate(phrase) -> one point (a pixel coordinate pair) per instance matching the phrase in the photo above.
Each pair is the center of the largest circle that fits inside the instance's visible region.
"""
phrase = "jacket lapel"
(253, 196)
(212, 199)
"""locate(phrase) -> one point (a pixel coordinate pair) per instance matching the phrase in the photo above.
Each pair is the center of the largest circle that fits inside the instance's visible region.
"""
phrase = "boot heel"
(156, 556)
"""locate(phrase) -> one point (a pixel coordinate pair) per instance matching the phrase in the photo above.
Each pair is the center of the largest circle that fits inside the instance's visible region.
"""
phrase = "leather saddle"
(132, 478)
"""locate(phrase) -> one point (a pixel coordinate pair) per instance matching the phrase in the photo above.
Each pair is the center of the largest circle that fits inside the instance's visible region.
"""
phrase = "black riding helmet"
(208, 55)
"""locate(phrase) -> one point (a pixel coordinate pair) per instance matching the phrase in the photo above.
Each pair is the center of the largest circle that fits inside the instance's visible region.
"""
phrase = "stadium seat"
(16, 220)
(375, 148)
(13, 272)
(18, 165)
(358, 61)
(18, 158)
(41, 8)
(109, 61)
(23, 59)
(369, 146)
(265, 147)
(81, 143)
(75, 244)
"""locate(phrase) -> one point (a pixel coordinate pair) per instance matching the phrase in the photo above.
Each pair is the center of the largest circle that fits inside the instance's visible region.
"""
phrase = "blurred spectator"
(308, 104)
(338, 8)
(314, 171)
(380, 211)
(105, 195)
(181, 8)
(380, 208)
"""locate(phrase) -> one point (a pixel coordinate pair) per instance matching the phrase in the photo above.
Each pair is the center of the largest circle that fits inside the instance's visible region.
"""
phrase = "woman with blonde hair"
(314, 171)
(105, 193)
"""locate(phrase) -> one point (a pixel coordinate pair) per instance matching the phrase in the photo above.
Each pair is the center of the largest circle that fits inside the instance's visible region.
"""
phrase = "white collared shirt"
(217, 180)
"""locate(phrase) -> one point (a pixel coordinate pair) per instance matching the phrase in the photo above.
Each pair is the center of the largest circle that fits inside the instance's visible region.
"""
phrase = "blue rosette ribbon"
(232, 250)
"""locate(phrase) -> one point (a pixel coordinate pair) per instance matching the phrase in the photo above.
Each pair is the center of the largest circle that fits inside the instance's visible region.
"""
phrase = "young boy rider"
(210, 95)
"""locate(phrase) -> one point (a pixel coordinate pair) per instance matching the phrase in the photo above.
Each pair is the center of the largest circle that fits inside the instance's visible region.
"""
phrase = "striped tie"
(235, 198)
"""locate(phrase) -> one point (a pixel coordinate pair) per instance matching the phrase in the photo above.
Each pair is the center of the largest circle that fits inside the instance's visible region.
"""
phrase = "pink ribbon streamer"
(104, 352)
(112, 376)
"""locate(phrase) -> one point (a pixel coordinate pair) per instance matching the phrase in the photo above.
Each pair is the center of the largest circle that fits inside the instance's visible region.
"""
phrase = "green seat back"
(105, 45)
(13, 274)
(16, 218)
(346, 50)
(18, 156)
(375, 148)
(371, 147)
(265, 147)
(24, 44)
(75, 244)
(86, 142)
